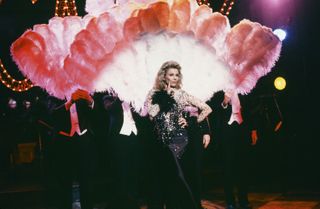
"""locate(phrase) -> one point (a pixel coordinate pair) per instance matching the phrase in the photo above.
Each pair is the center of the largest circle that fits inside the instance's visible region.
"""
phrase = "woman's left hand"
(182, 122)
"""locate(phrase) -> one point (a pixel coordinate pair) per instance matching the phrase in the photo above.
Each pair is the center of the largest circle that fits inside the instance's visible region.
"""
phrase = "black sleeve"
(205, 127)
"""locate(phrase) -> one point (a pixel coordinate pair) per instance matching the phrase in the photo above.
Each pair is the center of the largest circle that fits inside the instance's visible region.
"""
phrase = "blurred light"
(278, 126)
(26, 104)
(280, 33)
(12, 103)
(280, 83)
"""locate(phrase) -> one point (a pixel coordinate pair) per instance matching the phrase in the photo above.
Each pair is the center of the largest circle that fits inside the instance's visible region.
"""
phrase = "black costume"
(234, 141)
(172, 140)
(125, 150)
(73, 156)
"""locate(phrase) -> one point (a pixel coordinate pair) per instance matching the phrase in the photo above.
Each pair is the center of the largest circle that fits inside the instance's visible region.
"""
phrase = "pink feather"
(252, 52)
(122, 53)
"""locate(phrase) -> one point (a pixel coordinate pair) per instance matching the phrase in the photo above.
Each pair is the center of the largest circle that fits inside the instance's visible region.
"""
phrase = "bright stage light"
(280, 83)
(280, 33)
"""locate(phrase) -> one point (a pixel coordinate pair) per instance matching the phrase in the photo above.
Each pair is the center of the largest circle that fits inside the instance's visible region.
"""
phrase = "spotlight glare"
(280, 83)
(280, 33)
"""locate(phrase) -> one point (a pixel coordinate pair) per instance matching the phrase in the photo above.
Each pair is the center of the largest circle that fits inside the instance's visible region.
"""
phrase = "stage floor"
(27, 190)
(32, 196)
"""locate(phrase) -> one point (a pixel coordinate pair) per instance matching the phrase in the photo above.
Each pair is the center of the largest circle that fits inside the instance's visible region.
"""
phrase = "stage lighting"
(280, 33)
(12, 103)
(280, 83)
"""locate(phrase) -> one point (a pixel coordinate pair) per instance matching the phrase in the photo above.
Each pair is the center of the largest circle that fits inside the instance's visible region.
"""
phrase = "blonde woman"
(167, 104)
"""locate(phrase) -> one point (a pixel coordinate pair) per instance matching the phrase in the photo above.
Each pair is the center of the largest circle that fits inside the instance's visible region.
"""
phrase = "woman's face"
(172, 77)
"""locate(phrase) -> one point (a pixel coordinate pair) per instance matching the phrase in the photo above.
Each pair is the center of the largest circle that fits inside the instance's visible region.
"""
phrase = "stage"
(29, 192)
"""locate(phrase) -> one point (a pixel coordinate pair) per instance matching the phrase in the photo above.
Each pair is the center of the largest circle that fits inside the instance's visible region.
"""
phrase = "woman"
(166, 107)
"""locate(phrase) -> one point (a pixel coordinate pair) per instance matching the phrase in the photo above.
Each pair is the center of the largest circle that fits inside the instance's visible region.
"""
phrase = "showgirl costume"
(165, 110)
(120, 47)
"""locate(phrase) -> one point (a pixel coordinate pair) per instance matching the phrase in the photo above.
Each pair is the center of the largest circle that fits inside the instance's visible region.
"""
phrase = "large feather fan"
(121, 47)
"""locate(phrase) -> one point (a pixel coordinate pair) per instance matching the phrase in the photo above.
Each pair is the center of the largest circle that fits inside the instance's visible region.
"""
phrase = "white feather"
(133, 71)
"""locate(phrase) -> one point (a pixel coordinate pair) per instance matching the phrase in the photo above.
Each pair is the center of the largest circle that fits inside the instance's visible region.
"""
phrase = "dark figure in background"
(235, 133)
(124, 133)
(271, 152)
(199, 140)
(73, 149)
(29, 132)
(166, 107)
(9, 136)
(41, 115)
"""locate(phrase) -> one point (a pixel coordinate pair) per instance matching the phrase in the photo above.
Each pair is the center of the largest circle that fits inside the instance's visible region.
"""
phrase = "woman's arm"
(205, 110)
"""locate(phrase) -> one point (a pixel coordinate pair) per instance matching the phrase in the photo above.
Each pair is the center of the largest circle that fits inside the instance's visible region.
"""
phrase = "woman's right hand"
(169, 89)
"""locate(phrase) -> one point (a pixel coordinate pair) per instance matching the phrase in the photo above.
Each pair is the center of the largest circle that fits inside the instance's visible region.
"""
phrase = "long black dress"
(165, 111)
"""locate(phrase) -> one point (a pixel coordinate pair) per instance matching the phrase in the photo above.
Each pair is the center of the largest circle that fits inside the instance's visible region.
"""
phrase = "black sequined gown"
(173, 140)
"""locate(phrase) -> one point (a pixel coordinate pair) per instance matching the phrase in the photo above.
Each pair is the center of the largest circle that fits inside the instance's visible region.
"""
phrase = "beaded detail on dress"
(183, 99)
(167, 126)
(166, 122)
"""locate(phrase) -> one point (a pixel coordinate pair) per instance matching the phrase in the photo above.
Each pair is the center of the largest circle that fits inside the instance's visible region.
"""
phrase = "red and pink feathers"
(121, 47)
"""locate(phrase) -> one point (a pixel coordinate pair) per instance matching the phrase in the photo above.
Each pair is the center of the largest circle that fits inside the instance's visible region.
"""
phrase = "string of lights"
(203, 2)
(225, 8)
(13, 84)
(63, 8)
(66, 8)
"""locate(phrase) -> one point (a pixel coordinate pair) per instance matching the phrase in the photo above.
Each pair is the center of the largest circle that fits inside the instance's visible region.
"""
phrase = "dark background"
(298, 64)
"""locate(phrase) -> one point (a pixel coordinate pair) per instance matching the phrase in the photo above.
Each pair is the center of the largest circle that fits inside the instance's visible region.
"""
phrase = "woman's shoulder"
(181, 91)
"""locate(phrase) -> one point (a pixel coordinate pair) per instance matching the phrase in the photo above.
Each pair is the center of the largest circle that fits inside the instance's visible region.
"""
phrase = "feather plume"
(121, 47)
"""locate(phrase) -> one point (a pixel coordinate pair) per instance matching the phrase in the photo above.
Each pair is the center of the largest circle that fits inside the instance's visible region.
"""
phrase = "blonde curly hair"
(160, 82)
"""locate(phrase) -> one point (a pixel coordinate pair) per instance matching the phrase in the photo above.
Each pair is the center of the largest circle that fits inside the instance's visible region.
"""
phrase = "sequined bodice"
(166, 123)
